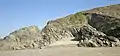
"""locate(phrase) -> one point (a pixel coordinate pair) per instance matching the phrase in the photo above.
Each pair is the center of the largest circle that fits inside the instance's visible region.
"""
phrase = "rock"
(105, 19)
(109, 25)
(31, 37)
(90, 37)
(24, 38)
(60, 29)
(98, 27)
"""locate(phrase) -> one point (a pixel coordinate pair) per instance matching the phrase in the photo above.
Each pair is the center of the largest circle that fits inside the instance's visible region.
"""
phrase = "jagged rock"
(90, 37)
(31, 37)
(98, 27)
(105, 19)
(25, 38)
(60, 29)
(107, 24)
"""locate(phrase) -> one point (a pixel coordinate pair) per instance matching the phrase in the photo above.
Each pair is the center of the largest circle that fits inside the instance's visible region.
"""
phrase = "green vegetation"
(72, 20)
(112, 10)
(78, 18)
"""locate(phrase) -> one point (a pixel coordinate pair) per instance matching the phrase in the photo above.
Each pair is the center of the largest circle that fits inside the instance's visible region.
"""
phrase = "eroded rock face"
(31, 37)
(107, 24)
(90, 37)
(105, 19)
(60, 29)
(98, 27)
(25, 38)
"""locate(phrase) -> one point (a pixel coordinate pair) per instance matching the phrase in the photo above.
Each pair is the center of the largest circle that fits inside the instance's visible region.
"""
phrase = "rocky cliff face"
(98, 27)
(90, 37)
(107, 24)
(60, 29)
(106, 20)
(25, 38)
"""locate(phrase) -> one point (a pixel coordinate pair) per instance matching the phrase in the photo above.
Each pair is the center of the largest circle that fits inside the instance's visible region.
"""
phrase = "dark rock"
(90, 37)
(105, 19)
(109, 25)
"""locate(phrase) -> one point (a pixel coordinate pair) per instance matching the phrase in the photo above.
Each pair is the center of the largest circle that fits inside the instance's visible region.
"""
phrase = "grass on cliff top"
(72, 20)
(111, 10)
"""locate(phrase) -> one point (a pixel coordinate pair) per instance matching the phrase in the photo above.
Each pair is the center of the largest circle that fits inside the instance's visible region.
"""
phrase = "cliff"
(98, 27)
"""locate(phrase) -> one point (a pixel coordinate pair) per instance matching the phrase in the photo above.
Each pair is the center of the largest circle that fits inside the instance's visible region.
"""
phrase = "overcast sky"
(15, 14)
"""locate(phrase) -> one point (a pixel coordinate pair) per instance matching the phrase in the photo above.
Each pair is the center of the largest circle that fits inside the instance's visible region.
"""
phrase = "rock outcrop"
(25, 38)
(106, 24)
(60, 29)
(90, 37)
(31, 37)
(102, 22)
(98, 27)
